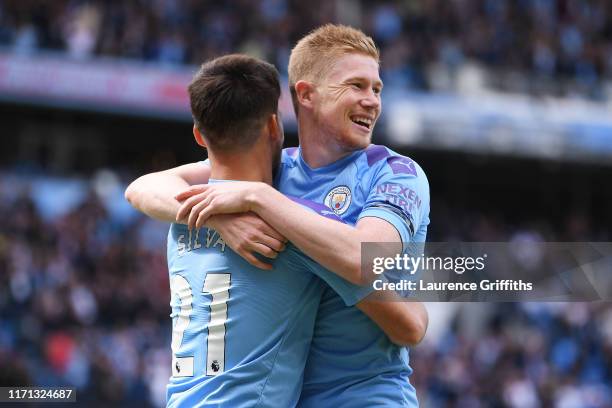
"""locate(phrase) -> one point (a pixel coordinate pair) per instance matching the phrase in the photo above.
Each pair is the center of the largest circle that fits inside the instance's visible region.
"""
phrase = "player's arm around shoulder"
(405, 323)
(154, 194)
(398, 199)
(397, 190)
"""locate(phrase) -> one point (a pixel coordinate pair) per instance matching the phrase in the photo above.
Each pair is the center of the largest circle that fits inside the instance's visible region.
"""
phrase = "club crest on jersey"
(338, 199)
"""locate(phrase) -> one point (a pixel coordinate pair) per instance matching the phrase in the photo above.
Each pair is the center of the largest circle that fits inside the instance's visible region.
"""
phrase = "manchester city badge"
(338, 199)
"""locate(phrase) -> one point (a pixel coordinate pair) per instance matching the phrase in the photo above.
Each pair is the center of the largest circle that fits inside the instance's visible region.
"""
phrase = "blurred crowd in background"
(529, 355)
(84, 297)
(84, 293)
(544, 47)
(84, 301)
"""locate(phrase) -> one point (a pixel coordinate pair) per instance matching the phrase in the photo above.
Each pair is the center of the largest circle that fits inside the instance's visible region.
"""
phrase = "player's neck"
(317, 151)
(240, 166)
(317, 155)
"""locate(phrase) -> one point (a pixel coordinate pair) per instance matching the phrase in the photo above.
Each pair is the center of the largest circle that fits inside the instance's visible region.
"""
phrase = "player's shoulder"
(380, 159)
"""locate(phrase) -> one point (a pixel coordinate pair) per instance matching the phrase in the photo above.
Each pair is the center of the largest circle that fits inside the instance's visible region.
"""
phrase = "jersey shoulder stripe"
(318, 208)
(376, 153)
(398, 163)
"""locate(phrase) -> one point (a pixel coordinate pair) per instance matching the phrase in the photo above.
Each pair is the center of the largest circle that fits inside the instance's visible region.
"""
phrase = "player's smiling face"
(348, 102)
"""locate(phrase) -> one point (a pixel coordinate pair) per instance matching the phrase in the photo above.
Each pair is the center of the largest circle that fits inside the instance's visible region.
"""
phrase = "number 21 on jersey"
(217, 286)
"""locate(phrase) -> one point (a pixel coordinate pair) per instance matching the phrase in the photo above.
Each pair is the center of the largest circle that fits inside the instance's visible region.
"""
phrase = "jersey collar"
(330, 168)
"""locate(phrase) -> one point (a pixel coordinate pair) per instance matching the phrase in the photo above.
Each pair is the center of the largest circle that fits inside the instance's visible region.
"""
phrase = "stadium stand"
(539, 46)
(83, 284)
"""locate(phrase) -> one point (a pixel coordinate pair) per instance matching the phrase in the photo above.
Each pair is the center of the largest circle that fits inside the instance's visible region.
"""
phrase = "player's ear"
(275, 127)
(198, 137)
(304, 91)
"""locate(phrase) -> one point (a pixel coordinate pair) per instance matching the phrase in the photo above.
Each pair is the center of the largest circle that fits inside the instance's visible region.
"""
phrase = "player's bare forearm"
(246, 234)
(310, 232)
(154, 194)
(334, 245)
(405, 323)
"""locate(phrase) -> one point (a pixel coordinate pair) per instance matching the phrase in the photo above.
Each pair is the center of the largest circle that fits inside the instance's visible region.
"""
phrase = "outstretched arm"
(153, 194)
(309, 231)
(405, 323)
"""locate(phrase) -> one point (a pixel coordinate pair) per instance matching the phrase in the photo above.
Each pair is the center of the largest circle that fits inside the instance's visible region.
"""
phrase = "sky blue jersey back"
(241, 335)
(351, 361)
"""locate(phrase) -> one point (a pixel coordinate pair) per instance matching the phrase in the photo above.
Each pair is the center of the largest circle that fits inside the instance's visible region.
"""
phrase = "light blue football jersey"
(352, 363)
(241, 335)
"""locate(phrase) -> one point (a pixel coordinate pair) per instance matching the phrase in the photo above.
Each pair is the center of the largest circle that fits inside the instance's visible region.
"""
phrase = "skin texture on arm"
(247, 233)
(153, 194)
(405, 323)
(306, 229)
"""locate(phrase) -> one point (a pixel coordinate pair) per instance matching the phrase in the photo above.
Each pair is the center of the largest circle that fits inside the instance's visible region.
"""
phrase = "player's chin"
(360, 140)
(352, 140)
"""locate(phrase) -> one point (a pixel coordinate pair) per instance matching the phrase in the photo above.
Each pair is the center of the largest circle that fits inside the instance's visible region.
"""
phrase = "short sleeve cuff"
(398, 222)
(357, 295)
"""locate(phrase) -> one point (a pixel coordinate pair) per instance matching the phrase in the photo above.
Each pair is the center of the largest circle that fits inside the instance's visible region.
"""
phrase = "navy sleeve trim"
(397, 211)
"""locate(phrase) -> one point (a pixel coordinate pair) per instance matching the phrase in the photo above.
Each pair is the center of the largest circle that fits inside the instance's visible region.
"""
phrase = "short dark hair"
(231, 99)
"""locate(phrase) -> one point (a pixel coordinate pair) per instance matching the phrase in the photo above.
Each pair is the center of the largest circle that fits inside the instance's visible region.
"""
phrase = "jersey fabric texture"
(351, 362)
(241, 335)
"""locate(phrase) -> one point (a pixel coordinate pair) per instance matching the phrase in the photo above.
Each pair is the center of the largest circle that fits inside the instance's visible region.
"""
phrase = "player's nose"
(371, 100)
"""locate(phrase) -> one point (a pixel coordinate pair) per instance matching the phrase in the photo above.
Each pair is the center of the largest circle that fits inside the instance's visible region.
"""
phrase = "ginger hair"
(311, 58)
